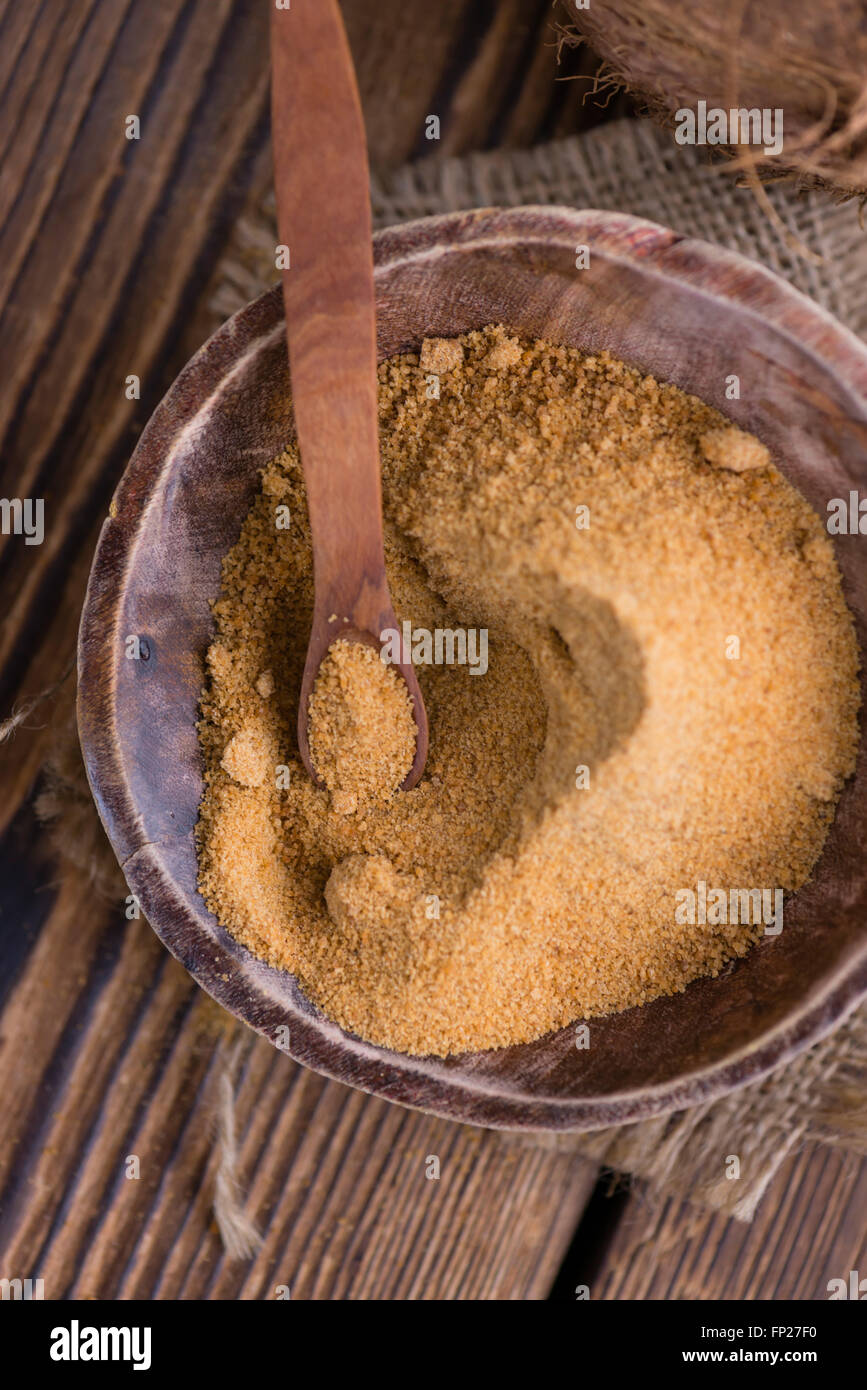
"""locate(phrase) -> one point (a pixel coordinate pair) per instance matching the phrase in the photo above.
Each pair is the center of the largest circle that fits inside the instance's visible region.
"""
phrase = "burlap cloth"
(633, 167)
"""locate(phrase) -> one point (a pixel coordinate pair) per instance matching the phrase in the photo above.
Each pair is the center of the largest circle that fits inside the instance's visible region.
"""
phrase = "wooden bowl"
(689, 313)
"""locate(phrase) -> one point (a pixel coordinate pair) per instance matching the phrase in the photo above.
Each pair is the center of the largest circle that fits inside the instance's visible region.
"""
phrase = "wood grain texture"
(810, 1227)
(126, 242)
(490, 70)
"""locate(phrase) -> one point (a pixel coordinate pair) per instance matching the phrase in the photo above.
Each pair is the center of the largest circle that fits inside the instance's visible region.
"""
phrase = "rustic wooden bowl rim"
(316, 1041)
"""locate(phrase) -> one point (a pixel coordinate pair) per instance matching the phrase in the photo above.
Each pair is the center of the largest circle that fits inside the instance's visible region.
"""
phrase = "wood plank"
(40, 244)
(149, 253)
(25, 33)
(404, 53)
(810, 1227)
(69, 349)
(485, 92)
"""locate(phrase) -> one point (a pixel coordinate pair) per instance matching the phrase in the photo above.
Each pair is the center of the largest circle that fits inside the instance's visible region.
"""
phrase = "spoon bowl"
(681, 309)
(321, 639)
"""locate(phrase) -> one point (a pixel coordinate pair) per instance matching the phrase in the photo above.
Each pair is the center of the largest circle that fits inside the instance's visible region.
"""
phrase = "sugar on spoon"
(323, 216)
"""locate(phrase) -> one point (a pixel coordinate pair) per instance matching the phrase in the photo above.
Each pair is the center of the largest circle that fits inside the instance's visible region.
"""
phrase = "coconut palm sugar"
(670, 700)
(361, 726)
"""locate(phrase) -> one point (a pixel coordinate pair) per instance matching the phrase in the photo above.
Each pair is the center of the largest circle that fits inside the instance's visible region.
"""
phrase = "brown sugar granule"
(441, 355)
(360, 725)
(616, 751)
(506, 352)
(248, 758)
(734, 449)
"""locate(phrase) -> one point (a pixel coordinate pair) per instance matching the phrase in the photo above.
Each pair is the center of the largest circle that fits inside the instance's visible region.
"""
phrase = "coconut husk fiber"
(809, 60)
(633, 167)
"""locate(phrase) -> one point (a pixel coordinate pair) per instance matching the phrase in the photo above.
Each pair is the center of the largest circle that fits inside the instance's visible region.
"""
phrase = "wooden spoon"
(323, 215)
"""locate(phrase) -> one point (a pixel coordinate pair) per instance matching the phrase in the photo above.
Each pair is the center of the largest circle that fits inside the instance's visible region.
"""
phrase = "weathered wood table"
(107, 1048)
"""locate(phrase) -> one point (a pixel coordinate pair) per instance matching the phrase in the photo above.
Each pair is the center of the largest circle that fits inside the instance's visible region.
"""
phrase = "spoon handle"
(323, 215)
